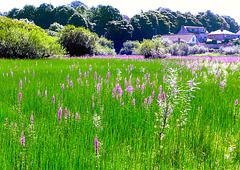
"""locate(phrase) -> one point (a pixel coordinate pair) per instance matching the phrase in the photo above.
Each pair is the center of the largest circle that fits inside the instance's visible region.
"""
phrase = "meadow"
(122, 113)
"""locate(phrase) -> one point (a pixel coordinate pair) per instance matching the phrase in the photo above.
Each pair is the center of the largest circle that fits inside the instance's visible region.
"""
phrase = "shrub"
(129, 47)
(194, 49)
(21, 40)
(230, 50)
(78, 41)
(104, 47)
(56, 27)
(152, 49)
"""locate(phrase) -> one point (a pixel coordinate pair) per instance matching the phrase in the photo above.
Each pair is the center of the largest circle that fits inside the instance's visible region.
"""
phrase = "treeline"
(108, 22)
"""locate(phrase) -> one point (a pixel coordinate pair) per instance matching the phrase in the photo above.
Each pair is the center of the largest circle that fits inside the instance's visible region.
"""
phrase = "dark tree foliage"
(101, 16)
(77, 20)
(119, 32)
(44, 15)
(63, 13)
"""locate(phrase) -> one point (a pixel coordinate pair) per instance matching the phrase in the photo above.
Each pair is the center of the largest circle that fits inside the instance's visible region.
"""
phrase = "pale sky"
(132, 7)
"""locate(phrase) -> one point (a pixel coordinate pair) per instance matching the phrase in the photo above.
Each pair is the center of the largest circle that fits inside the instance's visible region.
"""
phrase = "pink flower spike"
(23, 139)
(59, 114)
(236, 102)
(96, 145)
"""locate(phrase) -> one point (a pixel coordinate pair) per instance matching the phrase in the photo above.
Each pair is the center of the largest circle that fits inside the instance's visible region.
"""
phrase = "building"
(190, 39)
(221, 34)
(200, 32)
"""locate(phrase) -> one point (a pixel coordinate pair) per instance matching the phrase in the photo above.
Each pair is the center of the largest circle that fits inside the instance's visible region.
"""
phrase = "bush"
(56, 27)
(230, 50)
(181, 49)
(104, 47)
(129, 47)
(152, 49)
(78, 41)
(21, 40)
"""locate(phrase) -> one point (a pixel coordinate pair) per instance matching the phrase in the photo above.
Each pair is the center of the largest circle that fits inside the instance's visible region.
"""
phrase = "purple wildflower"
(96, 145)
(59, 114)
(108, 74)
(32, 118)
(134, 102)
(20, 97)
(21, 84)
(23, 139)
(66, 113)
(236, 102)
(62, 86)
(153, 93)
(71, 83)
(137, 81)
(113, 94)
(76, 115)
(53, 98)
(46, 93)
(150, 100)
(163, 95)
(68, 78)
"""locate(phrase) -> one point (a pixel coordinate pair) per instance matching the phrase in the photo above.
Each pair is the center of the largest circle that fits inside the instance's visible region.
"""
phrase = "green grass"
(127, 134)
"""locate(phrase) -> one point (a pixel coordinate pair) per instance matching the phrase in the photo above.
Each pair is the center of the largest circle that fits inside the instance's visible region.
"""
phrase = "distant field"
(130, 113)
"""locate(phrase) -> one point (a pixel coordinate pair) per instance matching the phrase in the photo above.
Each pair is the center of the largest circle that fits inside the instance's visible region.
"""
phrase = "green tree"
(63, 13)
(44, 15)
(77, 20)
(119, 32)
(101, 16)
(78, 41)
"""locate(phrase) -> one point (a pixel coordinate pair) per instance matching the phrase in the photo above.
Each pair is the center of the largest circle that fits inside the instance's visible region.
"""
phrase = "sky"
(132, 7)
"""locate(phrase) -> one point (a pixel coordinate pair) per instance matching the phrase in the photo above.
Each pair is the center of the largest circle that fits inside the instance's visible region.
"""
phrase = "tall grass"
(68, 104)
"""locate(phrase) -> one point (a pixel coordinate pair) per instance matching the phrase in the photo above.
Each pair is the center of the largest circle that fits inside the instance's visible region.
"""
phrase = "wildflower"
(137, 81)
(145, 101)
(126, 83)
(130, 89)
(23, 139)
(142, 87)
(32, 118)
(59, 114)
(71, 83)
(68, 78)
(21, 84)
(66, 113)
(134, 102)
(46, 93)
(20, 97)
(96, 145)
(62, 86)
(236, 102)
(113, 94)
(76, 115)
(150, 101)
(153, 93)
(163, 94)
(151, 85)
(53, 99)
(108, 74)
(95, 76)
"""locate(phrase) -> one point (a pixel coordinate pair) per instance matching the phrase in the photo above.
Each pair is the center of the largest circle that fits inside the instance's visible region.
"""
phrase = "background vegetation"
(109, 22)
